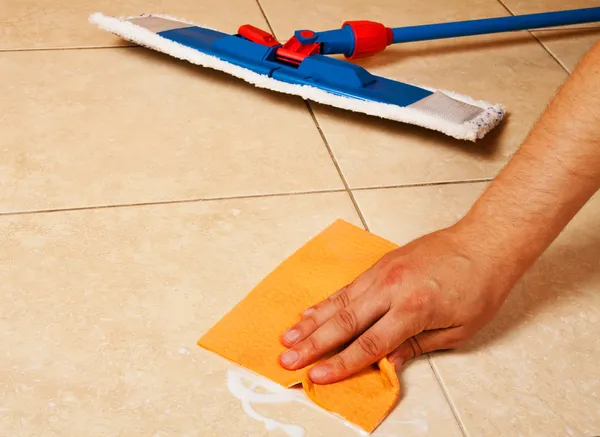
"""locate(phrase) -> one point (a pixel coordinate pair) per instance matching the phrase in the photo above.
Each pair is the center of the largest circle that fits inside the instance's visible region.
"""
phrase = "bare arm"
(553, 174)
(437, 291)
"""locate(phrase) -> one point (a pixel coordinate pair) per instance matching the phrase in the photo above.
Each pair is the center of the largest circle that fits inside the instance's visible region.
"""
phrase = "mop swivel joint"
(355, 39)
(370, 38)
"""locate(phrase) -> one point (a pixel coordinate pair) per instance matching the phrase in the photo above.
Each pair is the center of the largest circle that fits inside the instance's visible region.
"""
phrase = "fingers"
(320, 313)
(343, 327)
(371, 346)
(425, 342)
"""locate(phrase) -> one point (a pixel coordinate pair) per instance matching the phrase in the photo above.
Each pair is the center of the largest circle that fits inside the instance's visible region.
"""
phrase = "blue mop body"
(299, 66)
(319, 78)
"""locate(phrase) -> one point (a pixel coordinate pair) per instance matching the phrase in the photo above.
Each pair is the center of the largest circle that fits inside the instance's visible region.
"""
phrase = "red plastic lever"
(294, 52)
(257, 35)
(370, 38)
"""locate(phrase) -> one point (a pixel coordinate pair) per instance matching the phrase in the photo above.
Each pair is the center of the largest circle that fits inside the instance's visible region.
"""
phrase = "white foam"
(247, 395)
(242, 384)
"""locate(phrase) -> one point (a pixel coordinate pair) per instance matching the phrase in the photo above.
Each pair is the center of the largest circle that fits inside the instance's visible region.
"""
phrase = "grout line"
(455, 413)
(264, 14)
(558, 61)
(239, 197)
(423, 184)
(61, 49)
(323, 137)
(338, 167)
(176, 202)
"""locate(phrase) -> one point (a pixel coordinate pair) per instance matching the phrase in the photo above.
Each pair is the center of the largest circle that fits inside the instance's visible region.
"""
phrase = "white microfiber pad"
(453, 114)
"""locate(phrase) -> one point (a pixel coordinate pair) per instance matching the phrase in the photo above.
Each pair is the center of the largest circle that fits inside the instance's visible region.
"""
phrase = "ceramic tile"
(534, 370)
(102, 309)
(35, 24)
(445, 204)
(512, 69)
(128, 125)
(568, 44)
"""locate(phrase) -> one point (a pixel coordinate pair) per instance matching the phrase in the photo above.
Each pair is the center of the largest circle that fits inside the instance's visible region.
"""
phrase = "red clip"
(369, 38)
(294, 51)
(257, 35)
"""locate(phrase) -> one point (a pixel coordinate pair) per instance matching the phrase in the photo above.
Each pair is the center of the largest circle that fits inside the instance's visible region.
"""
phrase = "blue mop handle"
(495, 25)
(360, 39)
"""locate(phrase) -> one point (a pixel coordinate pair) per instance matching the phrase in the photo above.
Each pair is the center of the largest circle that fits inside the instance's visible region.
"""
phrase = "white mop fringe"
(470, 130)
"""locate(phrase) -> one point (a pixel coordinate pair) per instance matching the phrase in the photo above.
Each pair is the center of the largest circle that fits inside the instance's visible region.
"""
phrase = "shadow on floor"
(560, 274)
(486, 148)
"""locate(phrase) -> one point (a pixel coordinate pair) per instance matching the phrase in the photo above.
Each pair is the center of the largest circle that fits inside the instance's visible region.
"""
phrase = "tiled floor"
(141, 198)
(568, 45)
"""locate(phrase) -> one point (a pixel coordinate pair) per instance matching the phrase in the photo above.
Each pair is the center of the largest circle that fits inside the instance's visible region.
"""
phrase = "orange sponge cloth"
(249, 335)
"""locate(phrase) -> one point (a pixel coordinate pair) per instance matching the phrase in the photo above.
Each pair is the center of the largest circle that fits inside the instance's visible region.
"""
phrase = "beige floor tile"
(28, 24)
(568, 44)
(534, 370)
(403, 214)
(512, 69)
(128, 125)
(101, 311)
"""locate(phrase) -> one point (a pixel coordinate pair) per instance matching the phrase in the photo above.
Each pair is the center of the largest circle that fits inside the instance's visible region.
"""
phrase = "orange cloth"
(249, 335)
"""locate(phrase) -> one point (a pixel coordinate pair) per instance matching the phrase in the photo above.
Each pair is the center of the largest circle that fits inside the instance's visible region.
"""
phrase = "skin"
(437, 291)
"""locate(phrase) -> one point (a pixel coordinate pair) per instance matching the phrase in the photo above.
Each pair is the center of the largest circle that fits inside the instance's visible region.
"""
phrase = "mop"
(301, 66)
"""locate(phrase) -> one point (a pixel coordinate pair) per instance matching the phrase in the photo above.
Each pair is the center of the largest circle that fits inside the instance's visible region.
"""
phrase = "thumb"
(425, 342)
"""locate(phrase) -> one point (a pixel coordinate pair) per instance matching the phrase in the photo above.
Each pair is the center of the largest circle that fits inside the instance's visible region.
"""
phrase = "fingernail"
(290, 357)
(398, 359)
(291, 336)
(398, 363)
(318, 373)
(308, 312)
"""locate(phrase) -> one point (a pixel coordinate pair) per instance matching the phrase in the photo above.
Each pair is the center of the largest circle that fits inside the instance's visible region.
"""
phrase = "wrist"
(492, 247)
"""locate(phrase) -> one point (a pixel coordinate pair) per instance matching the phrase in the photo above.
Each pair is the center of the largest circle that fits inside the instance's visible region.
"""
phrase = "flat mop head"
(293, 68)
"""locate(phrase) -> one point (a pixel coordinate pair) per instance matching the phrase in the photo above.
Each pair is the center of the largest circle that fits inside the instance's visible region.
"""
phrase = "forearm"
(554, 173)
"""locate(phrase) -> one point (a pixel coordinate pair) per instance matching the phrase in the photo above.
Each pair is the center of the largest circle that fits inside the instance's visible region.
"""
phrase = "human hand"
(433, 293)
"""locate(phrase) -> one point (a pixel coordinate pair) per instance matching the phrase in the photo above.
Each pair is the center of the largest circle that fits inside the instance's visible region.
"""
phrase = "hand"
(433, 293)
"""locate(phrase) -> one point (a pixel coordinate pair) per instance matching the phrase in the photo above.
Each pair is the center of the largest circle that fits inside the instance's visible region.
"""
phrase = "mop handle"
(494, 25)
(358, 39)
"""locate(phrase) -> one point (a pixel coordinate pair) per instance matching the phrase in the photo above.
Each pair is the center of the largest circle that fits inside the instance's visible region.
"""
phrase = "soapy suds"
(272, 393)
(277, 394)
